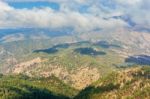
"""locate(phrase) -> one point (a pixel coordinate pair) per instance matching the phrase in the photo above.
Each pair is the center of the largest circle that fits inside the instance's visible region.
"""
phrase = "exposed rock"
(79, 79)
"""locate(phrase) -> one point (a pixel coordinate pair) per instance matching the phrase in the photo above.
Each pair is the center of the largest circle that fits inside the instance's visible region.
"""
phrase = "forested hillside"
(132, 83)
(23, 87)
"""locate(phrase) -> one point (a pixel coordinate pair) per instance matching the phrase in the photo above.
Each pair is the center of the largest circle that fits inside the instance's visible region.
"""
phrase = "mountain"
(69, 62)
(18, 34)
(131, 83)
(74, 49)
(92, 65)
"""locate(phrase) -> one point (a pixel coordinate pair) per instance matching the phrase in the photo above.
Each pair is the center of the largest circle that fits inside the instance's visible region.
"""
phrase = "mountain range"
(83, 66)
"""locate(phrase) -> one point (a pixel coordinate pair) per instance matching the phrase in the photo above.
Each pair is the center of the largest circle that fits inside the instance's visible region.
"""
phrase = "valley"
(74, 49)
(81, 65)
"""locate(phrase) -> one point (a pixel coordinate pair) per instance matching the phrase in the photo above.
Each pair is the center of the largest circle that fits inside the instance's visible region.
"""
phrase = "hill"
(78, 64)
(132, 83)
(24, 87)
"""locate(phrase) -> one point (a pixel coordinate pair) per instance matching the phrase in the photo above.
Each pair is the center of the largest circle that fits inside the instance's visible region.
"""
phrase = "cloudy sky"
(80, 15)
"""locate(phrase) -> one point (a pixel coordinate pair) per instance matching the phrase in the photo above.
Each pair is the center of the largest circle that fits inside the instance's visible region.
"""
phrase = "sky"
(79, 15)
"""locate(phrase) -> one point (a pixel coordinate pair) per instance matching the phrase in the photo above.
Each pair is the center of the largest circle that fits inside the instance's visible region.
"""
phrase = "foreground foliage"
(23, 87)
(133, 83)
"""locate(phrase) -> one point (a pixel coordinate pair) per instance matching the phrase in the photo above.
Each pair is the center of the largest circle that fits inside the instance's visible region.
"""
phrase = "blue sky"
(81, 15)
(30, 5)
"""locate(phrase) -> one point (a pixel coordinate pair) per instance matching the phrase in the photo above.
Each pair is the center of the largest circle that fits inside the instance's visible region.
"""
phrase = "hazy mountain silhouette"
(139, 59)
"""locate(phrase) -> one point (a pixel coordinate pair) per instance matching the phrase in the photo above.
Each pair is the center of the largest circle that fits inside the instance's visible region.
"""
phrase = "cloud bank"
(80, 15)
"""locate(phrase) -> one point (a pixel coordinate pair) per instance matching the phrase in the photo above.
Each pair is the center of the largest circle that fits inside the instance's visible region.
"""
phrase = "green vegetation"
(130, 84)
(23, 87)
(64, 55)
(115, 82)
(70, 59)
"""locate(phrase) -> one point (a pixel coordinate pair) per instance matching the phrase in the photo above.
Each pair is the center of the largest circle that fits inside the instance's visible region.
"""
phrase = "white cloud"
(128, 2)
(69, 15)
(4, 6)
(48, 18)
(138, 12)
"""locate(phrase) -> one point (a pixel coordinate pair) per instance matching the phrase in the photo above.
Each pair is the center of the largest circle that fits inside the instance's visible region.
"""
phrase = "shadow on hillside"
(30, 92)
(105, 44)
(85, 93)
(89, 51)
(48, 51)
(53, 49)
(84, 51)
(139, 59)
